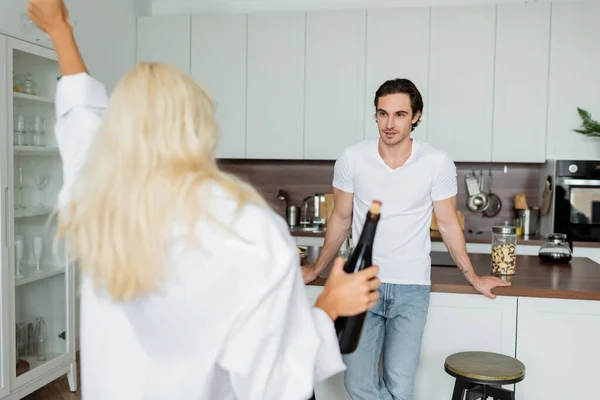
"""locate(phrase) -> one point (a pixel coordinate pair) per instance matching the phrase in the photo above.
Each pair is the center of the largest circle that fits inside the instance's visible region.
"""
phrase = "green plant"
(589, 127)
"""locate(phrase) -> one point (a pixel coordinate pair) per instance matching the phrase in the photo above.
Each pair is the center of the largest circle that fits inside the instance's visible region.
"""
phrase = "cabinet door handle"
(5, 221)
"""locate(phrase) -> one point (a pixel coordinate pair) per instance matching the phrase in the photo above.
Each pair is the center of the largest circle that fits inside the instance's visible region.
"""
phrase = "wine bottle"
(348, 329)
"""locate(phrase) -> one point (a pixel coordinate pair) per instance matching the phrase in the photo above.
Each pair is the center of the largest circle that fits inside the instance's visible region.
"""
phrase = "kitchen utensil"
(477, 200)
(555, 249)
(303, 251)
(495, 204)
(318, 198)
(530, 218)
(292, 216)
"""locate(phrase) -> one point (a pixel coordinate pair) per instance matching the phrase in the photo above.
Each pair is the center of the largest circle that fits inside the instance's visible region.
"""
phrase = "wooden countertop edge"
(468, 239)
(509, 291)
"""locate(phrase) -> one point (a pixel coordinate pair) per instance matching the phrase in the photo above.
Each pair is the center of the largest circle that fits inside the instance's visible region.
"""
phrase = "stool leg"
(459, 389)
(501, 394)
(312, 397)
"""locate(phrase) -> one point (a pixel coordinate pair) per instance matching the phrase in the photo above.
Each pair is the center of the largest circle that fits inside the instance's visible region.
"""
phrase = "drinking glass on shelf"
(39, 129)
(41, 181)
(29, 85)
(38, 248)
(19, 243)
(20, 129)
(19, 202)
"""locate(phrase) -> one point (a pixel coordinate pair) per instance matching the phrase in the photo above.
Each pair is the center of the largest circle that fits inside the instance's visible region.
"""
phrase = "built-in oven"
(577, 200)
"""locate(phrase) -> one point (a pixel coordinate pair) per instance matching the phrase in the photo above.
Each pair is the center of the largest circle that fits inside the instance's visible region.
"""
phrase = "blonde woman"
(191, 286)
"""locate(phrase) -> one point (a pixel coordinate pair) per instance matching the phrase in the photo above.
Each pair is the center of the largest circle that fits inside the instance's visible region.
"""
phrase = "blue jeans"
(395, 324)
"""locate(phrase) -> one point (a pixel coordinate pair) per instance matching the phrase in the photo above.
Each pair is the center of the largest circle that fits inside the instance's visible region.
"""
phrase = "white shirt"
(402, 240)
(232, 322)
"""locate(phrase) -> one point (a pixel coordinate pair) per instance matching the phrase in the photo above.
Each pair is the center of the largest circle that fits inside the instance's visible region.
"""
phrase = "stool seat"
(485, 368)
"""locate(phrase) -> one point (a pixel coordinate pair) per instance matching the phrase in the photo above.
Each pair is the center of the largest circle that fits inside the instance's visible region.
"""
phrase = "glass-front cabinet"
(38, 279)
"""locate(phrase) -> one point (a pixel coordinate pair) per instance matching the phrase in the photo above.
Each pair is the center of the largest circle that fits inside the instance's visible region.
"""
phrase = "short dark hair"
(399, 85)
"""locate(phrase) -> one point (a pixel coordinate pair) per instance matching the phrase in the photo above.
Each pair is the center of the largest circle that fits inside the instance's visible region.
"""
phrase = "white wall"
(108, 54)
(172, 7)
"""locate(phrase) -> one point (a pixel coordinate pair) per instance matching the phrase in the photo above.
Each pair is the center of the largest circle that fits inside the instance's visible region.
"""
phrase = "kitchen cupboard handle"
(5, 220)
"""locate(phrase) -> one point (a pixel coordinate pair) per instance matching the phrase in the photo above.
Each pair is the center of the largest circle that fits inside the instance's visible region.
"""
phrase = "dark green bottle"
(348, 329)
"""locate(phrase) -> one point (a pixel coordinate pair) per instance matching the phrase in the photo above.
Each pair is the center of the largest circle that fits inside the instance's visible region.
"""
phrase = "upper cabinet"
(461, 85)
(500, 82)
(220, 67)
(574, 79)
(275, 98)
(164, 39)
(521, 83)
(335, 82)
(397, 47)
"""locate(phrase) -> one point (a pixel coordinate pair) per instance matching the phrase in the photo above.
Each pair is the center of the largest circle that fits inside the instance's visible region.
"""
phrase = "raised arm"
(80, 100)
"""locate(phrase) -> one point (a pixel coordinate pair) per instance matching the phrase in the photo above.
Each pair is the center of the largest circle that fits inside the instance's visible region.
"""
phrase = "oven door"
(577, 208)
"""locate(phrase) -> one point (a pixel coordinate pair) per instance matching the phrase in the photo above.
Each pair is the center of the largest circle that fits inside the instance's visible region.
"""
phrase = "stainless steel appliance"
(577, 200)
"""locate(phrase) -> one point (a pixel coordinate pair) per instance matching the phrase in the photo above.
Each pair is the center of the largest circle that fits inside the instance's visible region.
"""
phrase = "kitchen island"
(549, 318)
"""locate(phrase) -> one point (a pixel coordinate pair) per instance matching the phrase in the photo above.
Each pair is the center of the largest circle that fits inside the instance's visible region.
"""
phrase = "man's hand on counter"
(485, 284)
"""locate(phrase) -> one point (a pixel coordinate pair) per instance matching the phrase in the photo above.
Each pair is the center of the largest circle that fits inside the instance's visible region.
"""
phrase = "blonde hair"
(153, 154)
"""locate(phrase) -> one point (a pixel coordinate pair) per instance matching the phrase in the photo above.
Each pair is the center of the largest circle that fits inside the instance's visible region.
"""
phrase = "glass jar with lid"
(504, 250)
(555, 249)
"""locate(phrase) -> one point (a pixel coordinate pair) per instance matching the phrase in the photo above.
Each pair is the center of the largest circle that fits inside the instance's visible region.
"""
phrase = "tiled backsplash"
(304, 178)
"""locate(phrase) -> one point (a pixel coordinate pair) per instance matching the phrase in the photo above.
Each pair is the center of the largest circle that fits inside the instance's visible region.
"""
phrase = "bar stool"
(481, 374)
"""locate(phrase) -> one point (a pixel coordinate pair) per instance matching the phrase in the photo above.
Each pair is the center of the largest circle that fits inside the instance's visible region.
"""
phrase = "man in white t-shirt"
(412, 179)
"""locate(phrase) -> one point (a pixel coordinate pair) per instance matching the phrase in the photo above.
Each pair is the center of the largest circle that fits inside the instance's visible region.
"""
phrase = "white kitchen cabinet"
(275, 97)
(164, 39)
(461, 81)
(462, 322)
(557, 340)
(521, 82)
(456, 322)
(220, 67)
(574, 79)
(37, 284)
(397, 47)
(335, 82)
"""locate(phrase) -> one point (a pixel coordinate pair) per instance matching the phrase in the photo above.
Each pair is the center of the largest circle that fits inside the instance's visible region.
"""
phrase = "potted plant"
(589, 127)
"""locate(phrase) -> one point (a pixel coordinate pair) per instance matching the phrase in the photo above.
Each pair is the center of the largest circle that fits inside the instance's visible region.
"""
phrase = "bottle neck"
(368, 233)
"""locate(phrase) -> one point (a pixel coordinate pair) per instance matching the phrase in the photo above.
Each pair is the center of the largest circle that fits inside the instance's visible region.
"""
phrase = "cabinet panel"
(220, 67)
(558, 339)
(335, 82)
(397, 47)
(275, 100)
(164, 39)
(461, 81)
(521, 83)
(574, 79)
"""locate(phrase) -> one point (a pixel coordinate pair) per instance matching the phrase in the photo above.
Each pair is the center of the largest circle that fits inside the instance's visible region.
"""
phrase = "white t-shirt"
(232, 321)
(402, 242)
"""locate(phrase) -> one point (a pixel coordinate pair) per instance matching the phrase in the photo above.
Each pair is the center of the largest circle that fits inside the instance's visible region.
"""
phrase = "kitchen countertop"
(578, 280)
(485, 237)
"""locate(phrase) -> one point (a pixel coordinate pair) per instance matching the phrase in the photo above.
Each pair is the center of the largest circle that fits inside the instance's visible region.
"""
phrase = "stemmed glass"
(20, 203)
(38, 248)
(41, 181)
